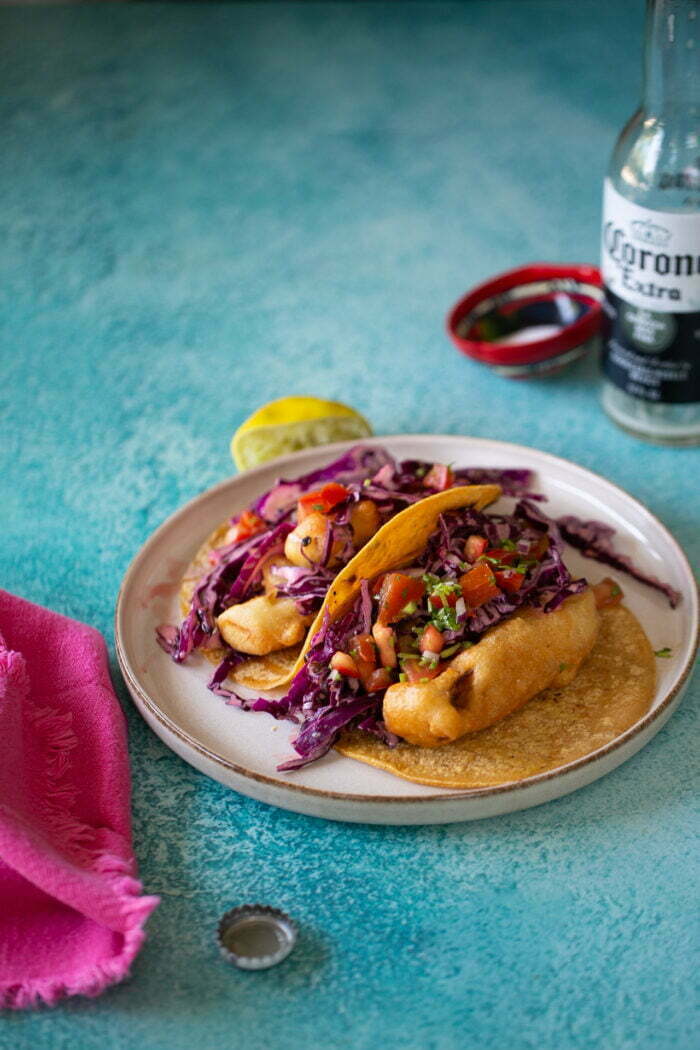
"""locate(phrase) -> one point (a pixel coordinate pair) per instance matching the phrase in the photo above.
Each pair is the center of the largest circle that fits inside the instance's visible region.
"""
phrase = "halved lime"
(292, 423)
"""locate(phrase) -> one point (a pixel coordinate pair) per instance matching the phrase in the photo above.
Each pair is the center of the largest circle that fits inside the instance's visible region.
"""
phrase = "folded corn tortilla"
(612, 690)
(597, 671)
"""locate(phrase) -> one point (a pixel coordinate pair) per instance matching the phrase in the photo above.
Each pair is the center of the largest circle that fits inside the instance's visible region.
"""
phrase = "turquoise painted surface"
(205, 207)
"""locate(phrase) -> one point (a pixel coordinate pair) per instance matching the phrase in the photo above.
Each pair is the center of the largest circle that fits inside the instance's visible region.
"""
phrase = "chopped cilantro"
(615, 591)
(445, 619)
(443, 589)
(366, 482)
(402, 676)
(409, 609)
(563, 667)
(524, 565)
(663, 653)
(508, 545)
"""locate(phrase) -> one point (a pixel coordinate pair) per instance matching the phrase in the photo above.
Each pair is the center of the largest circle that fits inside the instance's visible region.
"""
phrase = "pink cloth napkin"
(71, 910)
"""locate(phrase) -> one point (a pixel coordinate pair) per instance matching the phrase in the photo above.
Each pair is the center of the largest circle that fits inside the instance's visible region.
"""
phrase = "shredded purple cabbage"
(312, 742)
(308, 587)
(369, 473)
(359, 463)
(513, 482)
(594, 540)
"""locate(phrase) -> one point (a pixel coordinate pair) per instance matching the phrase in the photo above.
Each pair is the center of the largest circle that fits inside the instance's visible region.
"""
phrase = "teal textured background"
(205, 207)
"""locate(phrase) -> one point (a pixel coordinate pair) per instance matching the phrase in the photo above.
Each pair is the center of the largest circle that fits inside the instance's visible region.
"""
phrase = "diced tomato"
(438, 602)
(540, 547)
(247, 525)
(439, 477)
(431, 640)
(478, 585)
(364, 653)
(344, 664)
(415, 671)
(364, 644)
(386, 644)
(398, 590)
(322, 500)
(509, 580)
(376, 585)
(607, 593)
(378, 680)
(474, 547)
(502, 556)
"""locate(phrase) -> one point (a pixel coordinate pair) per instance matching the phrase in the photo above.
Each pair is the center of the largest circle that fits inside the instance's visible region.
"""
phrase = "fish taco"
(255, 585)
(456, 649)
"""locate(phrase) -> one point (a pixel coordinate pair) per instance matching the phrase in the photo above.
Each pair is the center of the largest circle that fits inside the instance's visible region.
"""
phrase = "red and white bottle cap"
(530, 321)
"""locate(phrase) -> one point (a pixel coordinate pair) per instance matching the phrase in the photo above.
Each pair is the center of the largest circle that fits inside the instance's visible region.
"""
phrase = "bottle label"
(650, 259)
(651, 270)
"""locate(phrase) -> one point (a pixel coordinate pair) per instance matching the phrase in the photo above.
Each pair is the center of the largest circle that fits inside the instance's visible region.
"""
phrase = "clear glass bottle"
(651, 241)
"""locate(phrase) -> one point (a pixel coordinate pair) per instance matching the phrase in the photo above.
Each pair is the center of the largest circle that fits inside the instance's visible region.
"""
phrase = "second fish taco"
(255, 585)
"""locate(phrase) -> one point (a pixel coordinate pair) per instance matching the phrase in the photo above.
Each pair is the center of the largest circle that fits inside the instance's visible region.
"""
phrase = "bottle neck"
(672, 57)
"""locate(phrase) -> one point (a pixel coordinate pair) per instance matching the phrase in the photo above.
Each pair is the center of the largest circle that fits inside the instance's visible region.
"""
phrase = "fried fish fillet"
(613, 689)
(514, 661)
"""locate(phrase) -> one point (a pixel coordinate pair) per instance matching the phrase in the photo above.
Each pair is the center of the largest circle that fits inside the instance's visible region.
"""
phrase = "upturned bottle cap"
(530, 321)
(255, 937)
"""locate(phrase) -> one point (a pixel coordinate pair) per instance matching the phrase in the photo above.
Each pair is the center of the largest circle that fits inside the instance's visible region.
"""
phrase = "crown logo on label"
(650, 232)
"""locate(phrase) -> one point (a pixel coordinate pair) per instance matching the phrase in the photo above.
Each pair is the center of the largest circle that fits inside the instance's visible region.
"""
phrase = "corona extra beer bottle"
(651, 241)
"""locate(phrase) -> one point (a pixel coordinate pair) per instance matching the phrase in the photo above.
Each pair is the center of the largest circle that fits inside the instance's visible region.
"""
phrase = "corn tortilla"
(612, 690)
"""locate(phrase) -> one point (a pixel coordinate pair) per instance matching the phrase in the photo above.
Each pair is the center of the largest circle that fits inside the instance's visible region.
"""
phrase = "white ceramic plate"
(243, 749)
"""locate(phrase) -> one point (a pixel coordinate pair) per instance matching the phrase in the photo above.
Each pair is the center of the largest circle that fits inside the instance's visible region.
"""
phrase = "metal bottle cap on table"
(530, 321)
(255, 937)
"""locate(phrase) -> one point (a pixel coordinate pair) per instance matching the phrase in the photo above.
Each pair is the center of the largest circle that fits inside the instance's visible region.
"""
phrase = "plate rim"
(441, 794)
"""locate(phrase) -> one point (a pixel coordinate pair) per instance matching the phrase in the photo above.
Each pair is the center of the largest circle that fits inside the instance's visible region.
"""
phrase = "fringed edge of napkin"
(91, 982)
(76, 838)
